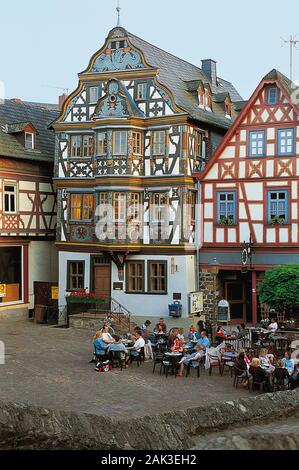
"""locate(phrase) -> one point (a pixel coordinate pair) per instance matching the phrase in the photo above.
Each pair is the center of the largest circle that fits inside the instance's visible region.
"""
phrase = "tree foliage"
(280, 287)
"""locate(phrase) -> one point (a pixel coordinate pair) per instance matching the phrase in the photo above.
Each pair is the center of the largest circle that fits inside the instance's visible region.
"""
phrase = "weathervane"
(293, 43)
(118, 9)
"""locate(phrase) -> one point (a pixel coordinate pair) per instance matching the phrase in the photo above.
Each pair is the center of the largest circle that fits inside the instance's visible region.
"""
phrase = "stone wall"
(25, 427)
(206, 285)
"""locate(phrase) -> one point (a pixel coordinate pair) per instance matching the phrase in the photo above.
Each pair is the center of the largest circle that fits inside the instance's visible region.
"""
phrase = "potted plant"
(226, 221)
(80, 301)
(277, 220)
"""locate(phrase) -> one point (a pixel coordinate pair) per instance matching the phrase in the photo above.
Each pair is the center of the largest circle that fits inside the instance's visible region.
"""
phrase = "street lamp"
(214, 268)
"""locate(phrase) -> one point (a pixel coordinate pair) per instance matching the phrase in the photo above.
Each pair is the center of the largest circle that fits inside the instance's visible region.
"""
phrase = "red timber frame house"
(249, 193)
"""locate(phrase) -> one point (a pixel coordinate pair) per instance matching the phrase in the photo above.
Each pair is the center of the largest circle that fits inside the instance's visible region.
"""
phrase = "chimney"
(62, 99)
(209, 68)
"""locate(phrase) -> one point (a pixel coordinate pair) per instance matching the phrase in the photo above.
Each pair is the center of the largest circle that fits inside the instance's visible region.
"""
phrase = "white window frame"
(159, 143)
(96, 94)
(32, 142)
(141, 93)
(120, 148)
(15, 193)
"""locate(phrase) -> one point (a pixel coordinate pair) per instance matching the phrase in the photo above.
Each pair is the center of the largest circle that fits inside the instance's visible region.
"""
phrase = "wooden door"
(102, 282)
(235, 294)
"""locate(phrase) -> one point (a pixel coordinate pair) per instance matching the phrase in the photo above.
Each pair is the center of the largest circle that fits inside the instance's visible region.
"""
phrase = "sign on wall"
(55, 292)
(196, 302)
(2, 291)
(223, 311)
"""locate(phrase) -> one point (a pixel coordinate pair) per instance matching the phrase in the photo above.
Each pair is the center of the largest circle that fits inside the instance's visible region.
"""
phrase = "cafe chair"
(158, 358)
(214, 361)
(193, 365)
(239, 377)
(117, 359)
(281, 379)
(258, 379)
(140, 358)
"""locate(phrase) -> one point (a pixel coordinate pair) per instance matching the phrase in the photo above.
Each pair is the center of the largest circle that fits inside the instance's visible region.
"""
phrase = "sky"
(46, 43)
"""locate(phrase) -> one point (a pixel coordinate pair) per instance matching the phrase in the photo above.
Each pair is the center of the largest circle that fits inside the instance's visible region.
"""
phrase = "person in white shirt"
(273, 326)
(135, 350)
(106, 336)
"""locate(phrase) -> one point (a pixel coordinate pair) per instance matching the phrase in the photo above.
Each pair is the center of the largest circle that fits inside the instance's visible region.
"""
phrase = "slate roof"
(180, 77)
(285, 81)
(13, 115)
(18, 127)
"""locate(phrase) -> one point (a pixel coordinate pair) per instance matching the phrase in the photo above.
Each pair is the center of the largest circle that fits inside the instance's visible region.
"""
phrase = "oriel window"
(137, 143)
(120, 143)
(87, 146)
(81, 206)
(102, 143)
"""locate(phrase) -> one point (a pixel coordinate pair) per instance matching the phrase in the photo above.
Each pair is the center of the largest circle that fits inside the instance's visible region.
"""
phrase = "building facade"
(27, 201)
(250, 198)
(128, 141)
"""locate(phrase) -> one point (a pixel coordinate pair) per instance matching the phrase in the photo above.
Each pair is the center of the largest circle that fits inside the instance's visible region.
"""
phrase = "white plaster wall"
(43, 265)
(148, 305)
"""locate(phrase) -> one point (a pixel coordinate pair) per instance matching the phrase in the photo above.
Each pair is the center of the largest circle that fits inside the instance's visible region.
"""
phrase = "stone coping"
(27, 427)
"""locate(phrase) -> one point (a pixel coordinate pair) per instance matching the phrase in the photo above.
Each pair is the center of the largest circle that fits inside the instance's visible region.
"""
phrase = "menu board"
(223, 311)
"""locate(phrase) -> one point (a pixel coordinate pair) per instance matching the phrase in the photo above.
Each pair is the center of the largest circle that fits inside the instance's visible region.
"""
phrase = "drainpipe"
(198, 232)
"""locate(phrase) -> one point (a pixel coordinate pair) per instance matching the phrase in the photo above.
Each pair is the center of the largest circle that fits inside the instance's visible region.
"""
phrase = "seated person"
(220, 335)
(106, 336)
(99, 346)
(242, 365)
(288, 362)
(273, 326)
(180, 334)
(257, 374)
(203, 342)
(144, 328)
(191, 359)
(160, 327)
(280, 375)
(118, 346)
(177, 345)
(135, 350)
(294, 379)
(265, 361)
(172, 337)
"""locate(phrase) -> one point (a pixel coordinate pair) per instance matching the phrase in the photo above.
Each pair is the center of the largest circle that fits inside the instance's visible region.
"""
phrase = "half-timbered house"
(250, 198)
(128, 141)
(27, 201)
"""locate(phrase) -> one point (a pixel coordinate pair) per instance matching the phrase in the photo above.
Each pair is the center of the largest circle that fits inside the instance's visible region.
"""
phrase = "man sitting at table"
(160, 327)
(203, 342)
(106, 336)
(191, 359)
(135, 350)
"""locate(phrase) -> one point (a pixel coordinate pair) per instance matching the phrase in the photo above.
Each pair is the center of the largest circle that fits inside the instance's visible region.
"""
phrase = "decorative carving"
(113, 103)
(81, 233)
(81, 168)
(120, 59)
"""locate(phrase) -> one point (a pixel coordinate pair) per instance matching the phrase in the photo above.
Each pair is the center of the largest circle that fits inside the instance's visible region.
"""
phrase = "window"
(102, 143)
(257, 144)
(285, 142)
(278, 206)
(208, 98)
(141, 91)
(226, 208)
(93, 94)
(158, 213)
(10, 198)
(137, 143)
(272, 96)
(81, 146)
(157, 277)
(75, 275)
(29, 141)
(120, 215)
(120, 143)
(81, 206)
(159, 142)
(228, 107)
(118, 45)
(87, 146)
(135, 276)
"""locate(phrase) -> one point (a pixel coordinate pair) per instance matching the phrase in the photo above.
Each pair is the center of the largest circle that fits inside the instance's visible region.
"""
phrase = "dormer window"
(272, 96)
(29, 141)
(201, 96)
(208, 98)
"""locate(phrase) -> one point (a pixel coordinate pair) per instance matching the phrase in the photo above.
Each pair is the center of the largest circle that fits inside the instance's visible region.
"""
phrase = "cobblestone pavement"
(49, 367)
(277, 435)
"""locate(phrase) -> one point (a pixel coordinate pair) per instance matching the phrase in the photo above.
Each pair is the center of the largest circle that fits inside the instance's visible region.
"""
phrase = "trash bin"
(40, 313)
(175, 309)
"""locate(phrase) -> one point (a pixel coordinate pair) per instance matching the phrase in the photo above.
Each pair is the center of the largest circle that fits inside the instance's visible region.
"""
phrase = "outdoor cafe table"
(173, 358)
